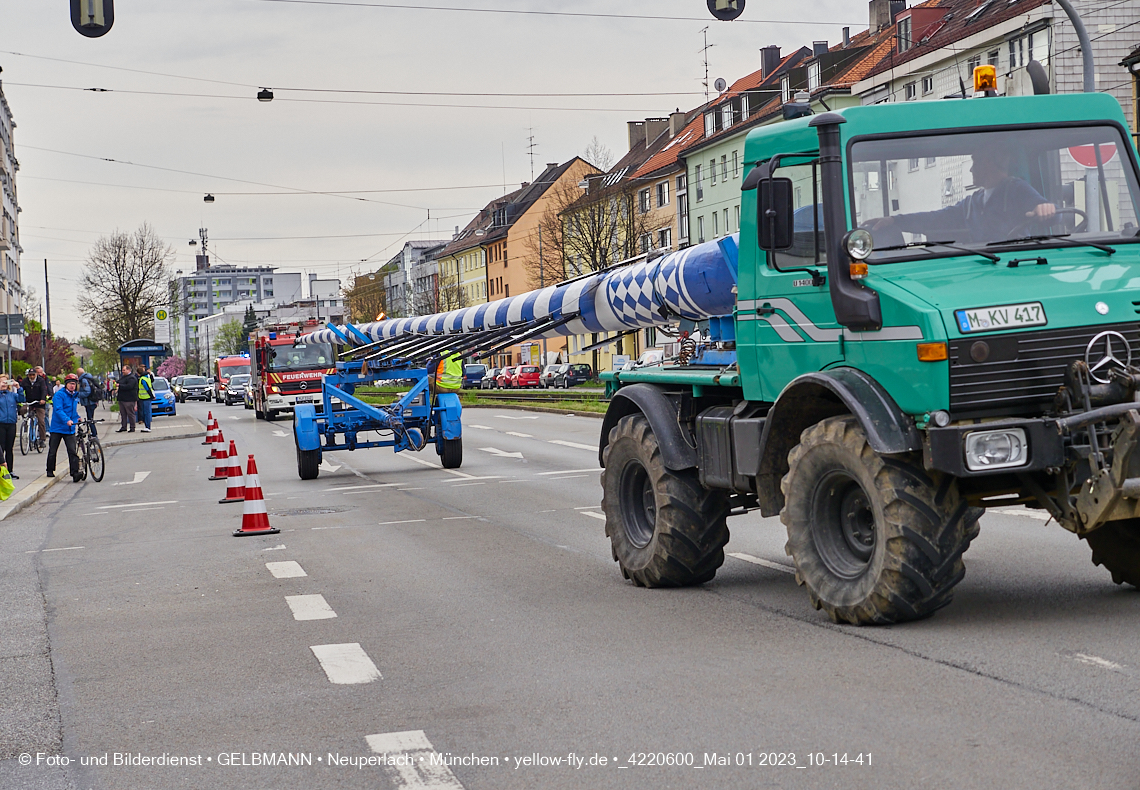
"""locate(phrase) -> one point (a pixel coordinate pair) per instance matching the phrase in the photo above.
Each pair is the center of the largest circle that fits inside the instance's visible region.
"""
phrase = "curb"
(140, 440)
(575, 412)
(27, 495)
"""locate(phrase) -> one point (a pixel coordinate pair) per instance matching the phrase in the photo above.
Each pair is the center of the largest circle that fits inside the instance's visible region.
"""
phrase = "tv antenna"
(705, 52)
(531, 145)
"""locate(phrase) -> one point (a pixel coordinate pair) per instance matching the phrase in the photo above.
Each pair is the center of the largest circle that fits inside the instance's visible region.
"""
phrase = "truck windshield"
(313, 355)
(234, 370)
(978, 188)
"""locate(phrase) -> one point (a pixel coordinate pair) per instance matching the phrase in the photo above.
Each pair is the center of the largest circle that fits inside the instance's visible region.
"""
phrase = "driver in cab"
(999, 206)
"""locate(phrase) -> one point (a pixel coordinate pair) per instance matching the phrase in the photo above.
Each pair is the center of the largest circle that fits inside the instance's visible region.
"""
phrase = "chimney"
(636, 134)
(879, 12)
(676, 123)
(846, 37)
(769, 60)
(654, 127)
(818, 48)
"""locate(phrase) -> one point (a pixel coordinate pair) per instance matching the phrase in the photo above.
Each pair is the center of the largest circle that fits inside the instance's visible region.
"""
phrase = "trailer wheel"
(1116, 546)
(308, 464)
(451, 453)
(665, 528)
(874, 539)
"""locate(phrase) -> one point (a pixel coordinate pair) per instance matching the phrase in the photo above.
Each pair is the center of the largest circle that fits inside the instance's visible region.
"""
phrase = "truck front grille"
(1021, 371)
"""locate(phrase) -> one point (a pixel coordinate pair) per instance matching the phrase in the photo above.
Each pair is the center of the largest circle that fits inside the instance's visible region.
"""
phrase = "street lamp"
(265, 95)
(726, 10)
(208, 199)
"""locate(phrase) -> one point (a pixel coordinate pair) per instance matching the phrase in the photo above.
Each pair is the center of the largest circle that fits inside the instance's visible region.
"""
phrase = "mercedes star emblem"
(305, 386)
(1107, 348)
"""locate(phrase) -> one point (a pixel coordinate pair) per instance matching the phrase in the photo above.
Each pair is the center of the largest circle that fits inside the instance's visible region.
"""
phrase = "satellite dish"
(726, 10)
(720, 85)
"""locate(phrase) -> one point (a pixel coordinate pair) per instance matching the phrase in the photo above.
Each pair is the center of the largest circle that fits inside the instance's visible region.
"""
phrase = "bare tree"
(366, 297)
(125, 278)
(599, 155)
(451, 293)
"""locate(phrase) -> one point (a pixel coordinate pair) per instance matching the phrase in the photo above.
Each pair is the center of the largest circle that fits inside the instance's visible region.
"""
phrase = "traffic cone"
(219, 448)
(212, 437)
(235, 490)
(254, 519)
(222, 467)
(211, 424)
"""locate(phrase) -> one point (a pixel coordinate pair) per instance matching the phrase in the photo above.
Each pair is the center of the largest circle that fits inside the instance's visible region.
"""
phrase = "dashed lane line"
(600, 516)
(142, 509)
(509, 417)
(571, 477)
(520, 435)
(1097, 661)
(776, 566)
(280, 547)
(45, 551)
(482, 427)
(568, 472)
(309, 607)
(346, 664)
(421, 769)
(408, 521)
(138, 504)
(575, 445)
(361, 488)
(286, 570)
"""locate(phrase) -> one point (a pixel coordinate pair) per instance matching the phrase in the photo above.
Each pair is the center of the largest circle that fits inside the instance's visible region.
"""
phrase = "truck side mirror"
(774, 213)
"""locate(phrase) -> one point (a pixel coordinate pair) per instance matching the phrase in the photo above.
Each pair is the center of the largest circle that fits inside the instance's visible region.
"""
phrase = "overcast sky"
(212, 127)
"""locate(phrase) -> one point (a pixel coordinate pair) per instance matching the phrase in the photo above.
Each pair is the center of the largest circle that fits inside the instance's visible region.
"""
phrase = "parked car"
(526, 376)
(503, 380)
(194, 388)
(546, 380)
(489, 381)
(569, 375)
(473, 375)
(235, 389)
(163, 398)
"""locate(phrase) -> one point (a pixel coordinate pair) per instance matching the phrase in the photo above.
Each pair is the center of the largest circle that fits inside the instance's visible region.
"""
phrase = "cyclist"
(37, 392)
(88, 386)
(64, 416)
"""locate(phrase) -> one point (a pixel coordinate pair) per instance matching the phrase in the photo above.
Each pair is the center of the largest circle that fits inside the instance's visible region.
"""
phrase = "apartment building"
(11, 288)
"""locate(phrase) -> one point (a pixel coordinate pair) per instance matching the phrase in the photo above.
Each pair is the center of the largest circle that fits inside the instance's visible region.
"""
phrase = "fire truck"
(286, 372)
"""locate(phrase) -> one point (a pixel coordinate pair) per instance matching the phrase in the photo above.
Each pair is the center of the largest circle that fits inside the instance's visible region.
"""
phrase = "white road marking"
(776, 566)
(458, 518)
(138, 504)
(234, 418)
(66, 548)
(1097, 661)
(500, 453)
(346, 664)
(309, 607)
(507, 417)
(409, 489)
(280, 433)
(409, 521)
(418, 460)
(482, 427)
(587, 507)
(327, 467)
(512, 481)
(139, 477)
(276, 548)
(1037, 514)
(360, 488)
(572, 477)
(520, 435)
(421, 772)
(575, 445)
(141, 509)
(286, 570)
(464, 485)
(95, 514)
(600, 516)
(568, 472)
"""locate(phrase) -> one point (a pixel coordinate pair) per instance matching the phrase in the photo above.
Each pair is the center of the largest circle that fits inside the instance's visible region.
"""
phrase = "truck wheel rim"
(843, 525)
(638, 505)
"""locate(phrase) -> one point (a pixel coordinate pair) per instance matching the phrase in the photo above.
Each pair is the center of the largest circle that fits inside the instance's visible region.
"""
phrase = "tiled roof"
(467, 237)
(671, 151)
(963, 18)
(528, 196)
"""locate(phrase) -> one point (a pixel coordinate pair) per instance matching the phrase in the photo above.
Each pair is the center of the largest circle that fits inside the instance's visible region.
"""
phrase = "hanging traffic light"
(92, 18)
(726, 10)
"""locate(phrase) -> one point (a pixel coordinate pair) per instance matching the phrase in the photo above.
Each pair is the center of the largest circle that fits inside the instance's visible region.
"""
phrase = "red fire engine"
(286, 373)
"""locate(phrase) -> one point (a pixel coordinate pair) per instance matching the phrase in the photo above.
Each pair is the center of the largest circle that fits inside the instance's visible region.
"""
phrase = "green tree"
(103, 358)
(228, 340)
(248, 328)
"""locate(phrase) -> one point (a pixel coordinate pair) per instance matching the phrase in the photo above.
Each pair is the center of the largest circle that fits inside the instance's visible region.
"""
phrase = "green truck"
(936, 312)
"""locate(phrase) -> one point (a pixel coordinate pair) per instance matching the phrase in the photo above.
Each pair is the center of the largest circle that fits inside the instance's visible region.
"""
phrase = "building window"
(646, 242)
(1039, 46)
(785, 89)
(727, 229)
(992, 58)
(724, 168)
(643, 200)
(813, 76)
(700, 184)
(904, 34)
(665, 238)
(931, 161)
(710, 124)
(712, 172)
(974, 62)
(683, 210)
(700, 230)
(663, 194)
(1016, 53)
(736, 164)
(743, 106)
(738, 216)
(927, 85)
(716, 224)
(682, 183)
(912, 165)
(909, 91)
(726, 116)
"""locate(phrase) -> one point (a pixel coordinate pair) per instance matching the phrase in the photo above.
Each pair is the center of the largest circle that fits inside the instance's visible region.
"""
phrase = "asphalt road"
(476, 616)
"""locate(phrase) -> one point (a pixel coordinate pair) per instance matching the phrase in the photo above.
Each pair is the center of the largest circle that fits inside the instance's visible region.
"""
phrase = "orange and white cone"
(255, 518)
(222, 467)
(219, 448)
(211, 437)
(211, 424)
(235, 490)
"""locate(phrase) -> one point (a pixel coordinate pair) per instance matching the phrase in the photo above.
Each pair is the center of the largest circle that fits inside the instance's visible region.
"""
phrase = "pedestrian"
(37, 392)
(90, 393)
(64, 416)
(128, 397)
(10, 399)
(146, 397)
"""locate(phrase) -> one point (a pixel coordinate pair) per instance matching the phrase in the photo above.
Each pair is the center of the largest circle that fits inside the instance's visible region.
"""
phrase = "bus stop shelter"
(140, 352)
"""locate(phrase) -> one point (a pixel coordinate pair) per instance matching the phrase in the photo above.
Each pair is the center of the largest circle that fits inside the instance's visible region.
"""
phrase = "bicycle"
(30, 438)
(90, 450)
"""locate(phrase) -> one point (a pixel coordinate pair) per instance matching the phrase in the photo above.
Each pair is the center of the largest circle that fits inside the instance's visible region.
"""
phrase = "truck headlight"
(996, 449)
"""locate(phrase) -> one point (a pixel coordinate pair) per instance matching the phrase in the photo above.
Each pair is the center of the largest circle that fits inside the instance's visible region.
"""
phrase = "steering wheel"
(1081, 227)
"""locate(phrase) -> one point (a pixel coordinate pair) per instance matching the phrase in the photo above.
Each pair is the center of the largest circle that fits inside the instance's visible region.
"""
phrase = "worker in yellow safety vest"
(448, 375)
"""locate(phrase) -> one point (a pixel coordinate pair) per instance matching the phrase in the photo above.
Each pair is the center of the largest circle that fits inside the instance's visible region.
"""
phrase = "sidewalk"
(31, 468)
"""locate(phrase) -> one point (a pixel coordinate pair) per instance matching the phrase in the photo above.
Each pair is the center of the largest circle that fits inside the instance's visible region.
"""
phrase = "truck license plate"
(1007, 316)
(304, 400)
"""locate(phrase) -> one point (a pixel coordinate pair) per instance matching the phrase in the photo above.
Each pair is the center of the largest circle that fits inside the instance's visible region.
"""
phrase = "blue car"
(163, 398)
(473, 376)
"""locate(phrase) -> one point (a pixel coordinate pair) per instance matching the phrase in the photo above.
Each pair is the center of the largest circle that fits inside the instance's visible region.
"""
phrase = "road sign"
(11, 324)
(1085, 155)
(161, 325)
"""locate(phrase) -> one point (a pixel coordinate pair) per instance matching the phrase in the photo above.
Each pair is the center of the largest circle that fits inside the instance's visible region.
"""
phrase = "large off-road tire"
(665, 528)
(875, 539)
(451, 454)
(1116, 546)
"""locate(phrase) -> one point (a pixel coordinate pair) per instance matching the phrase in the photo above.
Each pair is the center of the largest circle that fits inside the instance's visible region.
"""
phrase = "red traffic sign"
(1085, 155)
